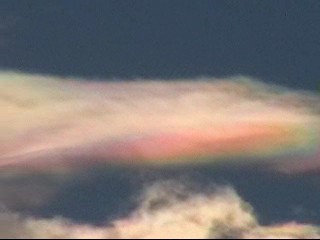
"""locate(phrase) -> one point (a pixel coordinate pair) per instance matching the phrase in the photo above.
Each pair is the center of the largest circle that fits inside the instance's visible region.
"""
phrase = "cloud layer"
(53, 128)
(50, 123)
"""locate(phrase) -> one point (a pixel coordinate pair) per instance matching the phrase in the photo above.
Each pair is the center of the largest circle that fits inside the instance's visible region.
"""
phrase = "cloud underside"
(167, 210)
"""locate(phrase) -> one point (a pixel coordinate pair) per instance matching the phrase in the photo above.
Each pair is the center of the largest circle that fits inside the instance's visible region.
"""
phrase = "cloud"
(22, 191)
(53, 128)
(52, 124)
(167, 210)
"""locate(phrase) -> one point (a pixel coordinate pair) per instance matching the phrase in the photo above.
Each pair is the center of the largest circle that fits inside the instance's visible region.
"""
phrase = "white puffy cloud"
(166, 210)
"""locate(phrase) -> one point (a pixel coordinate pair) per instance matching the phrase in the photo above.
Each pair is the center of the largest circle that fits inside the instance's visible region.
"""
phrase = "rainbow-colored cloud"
(53, 128)
(49, 122)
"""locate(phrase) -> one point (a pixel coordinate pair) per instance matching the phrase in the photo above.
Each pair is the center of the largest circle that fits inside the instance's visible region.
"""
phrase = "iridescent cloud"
(56, 125)
(49, 123)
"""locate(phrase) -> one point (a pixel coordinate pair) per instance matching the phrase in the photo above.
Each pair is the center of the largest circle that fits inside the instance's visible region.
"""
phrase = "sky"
(273, 40)
(174, 119)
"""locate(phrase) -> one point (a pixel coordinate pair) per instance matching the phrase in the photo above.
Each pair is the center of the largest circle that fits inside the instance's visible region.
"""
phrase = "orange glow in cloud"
(49, 122)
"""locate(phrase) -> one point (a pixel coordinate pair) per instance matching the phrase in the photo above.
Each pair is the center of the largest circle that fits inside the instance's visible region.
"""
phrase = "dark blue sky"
(277, 41)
